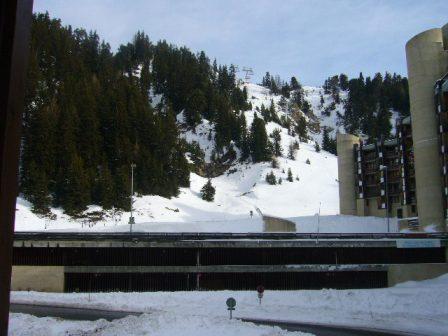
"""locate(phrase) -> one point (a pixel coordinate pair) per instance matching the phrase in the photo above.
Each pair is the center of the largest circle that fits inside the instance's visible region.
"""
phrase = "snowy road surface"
(85, 314)
(418, 307)
(157, 324)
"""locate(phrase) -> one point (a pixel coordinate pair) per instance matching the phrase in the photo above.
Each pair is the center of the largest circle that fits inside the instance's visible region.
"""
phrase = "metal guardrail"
(169, 236)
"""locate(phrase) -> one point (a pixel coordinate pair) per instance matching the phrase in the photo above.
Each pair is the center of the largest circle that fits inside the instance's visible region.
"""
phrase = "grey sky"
(308, 39)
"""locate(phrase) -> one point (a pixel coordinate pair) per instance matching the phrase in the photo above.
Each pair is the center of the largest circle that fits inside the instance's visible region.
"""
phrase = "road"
(89, 314)
(69, 313)
(319, 329)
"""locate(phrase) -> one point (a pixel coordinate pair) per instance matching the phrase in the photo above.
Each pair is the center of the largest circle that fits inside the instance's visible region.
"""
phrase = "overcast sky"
(308, 39)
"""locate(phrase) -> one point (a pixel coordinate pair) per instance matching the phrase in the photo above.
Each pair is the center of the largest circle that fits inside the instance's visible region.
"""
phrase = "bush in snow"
(291, 152)
(308, 161)
(271, 179)
(292, 148)
(317, 147)
(274, 163)
(208, 192)
(290, 178)
(279, 180)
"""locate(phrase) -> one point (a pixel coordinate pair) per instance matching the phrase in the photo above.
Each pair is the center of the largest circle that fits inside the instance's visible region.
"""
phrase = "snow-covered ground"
(156, 324)
(344, 224)
(312, 95)
(418, 307)
(237, 193)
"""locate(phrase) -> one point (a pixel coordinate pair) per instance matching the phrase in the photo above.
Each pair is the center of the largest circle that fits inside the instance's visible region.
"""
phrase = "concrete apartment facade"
(406, 176)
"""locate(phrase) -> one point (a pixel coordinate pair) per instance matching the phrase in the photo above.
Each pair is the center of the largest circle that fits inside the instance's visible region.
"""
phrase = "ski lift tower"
(249, 73)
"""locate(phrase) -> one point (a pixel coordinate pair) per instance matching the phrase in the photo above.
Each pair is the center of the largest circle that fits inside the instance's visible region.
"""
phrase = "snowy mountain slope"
(259, 95)
(239, 191)
(312, 95)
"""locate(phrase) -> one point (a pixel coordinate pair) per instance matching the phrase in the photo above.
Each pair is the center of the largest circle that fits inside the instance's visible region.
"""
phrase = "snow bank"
(418, 307)
(157, 324)
(344, 224)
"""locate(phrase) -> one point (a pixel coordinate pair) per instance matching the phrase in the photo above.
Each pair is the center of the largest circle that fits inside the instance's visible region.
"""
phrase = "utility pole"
(132, 219)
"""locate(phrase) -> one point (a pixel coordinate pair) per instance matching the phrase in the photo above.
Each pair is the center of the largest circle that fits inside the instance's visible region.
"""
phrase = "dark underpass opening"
(136, 282)
(57, 256)
(239, 265)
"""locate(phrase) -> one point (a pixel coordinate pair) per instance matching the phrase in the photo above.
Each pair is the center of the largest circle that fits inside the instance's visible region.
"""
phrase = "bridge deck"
(230, 240)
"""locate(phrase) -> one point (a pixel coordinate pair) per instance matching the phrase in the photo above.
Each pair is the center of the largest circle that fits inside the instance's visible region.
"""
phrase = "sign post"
(260, 290)
(231, 303)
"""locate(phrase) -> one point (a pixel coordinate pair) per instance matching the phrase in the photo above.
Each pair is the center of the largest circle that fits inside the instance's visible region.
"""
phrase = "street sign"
(260, 290)
(231, 303)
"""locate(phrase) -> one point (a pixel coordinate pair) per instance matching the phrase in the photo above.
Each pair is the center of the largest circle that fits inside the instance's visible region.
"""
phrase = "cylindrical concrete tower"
(427, 62)
(346, 173)
(445, 36)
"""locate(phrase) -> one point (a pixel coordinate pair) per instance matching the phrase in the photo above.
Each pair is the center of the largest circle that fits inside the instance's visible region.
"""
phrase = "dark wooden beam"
(15, 27)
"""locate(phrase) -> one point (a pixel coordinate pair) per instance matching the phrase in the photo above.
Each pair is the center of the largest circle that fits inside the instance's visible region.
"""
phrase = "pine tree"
(266, 81)
(328, 144)
(106, 192)
(259, 141)
(306, 107)
(294, 84)
(39, 196)
(383, 126)
(194, 107)
(208, 192)
(122, 186)
(343, 82)
(285, 90)
(290, 177)
(76, 194)
(272, 113)
(276, 142)
(302, 128)
(291, 152)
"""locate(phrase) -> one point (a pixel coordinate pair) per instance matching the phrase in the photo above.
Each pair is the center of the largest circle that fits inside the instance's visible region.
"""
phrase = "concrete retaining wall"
(38, 278)
(414, 272)
(276, 224)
